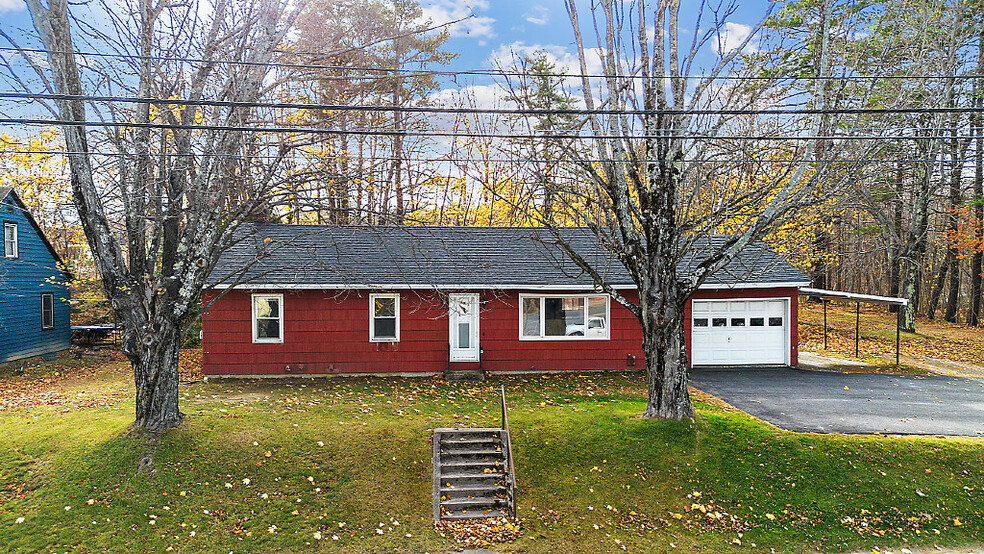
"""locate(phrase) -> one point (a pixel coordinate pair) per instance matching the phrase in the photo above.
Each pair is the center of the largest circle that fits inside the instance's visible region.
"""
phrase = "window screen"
(10, 240)
(268, 318)
(47, 310)
(385, 311)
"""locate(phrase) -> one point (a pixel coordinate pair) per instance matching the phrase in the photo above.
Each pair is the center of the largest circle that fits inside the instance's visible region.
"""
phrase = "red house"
(305, 299)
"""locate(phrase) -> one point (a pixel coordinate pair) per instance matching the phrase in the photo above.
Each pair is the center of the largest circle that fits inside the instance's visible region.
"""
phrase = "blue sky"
(490, 35)
(499, 28)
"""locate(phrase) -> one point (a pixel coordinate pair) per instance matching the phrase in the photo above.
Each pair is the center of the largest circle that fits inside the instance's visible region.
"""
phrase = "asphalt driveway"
(834, 402)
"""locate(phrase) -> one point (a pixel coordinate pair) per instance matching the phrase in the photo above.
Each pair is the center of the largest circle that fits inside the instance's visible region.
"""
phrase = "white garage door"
(739, 332)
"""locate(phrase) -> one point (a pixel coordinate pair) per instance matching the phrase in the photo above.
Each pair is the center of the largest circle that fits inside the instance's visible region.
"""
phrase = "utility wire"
(469, 72)
(483, 111)
(462, 134)
(459, 159)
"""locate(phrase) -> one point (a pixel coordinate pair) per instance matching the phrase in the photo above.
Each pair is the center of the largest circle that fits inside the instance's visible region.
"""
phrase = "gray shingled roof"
(500, 257)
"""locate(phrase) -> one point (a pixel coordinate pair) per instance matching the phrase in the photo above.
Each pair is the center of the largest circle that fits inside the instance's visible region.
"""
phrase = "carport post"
(824, 300)
(898, 324)
(857, 328)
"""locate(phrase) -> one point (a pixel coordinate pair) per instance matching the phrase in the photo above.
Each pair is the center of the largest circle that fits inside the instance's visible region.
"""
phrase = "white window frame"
(542, 337)
(372, 317)
(15, 251)
(252, 303)
(52, 297)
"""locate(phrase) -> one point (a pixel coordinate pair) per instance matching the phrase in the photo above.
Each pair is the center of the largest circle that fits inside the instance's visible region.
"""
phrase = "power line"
(484, 111)
(459, 159)
(463, 134)
(471, 72)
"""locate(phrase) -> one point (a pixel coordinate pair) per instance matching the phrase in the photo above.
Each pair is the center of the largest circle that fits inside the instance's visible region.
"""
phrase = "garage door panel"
(739, 332)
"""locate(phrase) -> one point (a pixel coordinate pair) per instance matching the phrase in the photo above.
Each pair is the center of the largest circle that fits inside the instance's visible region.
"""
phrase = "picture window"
(568, 317)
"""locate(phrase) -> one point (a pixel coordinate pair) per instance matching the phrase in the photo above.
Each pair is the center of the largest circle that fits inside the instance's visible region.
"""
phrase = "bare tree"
(668, 168)
(162, 185)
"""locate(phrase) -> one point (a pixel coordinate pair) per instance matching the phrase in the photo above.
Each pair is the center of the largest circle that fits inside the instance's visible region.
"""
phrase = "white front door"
(463, 327)
(740, 332)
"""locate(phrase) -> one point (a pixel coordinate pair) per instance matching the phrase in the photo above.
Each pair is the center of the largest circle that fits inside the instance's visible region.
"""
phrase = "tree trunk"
(910, 286)
(896, 248)
(666, 363)
(934, 299)
(953, 222)
(916, 246)
(977, 261)
(154, 357)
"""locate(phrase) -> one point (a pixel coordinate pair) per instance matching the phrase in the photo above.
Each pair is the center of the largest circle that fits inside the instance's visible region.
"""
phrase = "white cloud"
(11, 6)
(731, 36)
(507, 56)
(475, 96)
(440, 12)
(538, 15)
(40, 60)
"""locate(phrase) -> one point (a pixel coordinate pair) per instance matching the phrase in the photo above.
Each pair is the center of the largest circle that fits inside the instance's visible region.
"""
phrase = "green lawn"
(263, 466)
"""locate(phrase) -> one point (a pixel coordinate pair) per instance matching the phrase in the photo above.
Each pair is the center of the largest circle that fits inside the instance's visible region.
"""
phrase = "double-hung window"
(563, 317)
(47, 310)
(10, 245)
(268, 318)
(384, 317)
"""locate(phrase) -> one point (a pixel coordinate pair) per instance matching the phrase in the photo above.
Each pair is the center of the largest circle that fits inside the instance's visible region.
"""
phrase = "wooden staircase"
(473, 473)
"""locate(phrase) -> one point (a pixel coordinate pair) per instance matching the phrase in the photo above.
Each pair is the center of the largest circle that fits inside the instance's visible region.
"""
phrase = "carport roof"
(854, 296)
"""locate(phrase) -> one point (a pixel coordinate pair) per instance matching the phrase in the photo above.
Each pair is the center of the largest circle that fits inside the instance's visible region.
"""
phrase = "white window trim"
(52, 296)
(372, 317)
(252, 319)
(15, 253)
(608, 317)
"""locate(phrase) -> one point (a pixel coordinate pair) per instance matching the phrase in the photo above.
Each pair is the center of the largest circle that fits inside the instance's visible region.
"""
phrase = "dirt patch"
(190, 364)
(72, 380)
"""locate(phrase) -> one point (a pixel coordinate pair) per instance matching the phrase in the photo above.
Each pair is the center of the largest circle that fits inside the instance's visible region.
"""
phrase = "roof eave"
(486, 286)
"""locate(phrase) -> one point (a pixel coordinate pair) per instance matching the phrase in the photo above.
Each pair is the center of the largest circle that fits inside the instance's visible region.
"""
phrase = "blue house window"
(47, 310)
(10, 240)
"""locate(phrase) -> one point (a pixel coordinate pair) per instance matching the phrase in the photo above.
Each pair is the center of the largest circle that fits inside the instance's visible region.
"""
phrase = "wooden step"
(473, 490)
(456, 515)
(464, 477)
(496, 441)
(493, 464)
(470, 479)
(465, 502)
(491, 452)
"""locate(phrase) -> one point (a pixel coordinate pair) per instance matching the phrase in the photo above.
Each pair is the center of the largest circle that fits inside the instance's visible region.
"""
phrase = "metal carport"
(858, 298)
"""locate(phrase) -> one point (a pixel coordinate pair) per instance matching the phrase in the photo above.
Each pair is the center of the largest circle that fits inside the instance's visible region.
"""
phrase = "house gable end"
(31, 324)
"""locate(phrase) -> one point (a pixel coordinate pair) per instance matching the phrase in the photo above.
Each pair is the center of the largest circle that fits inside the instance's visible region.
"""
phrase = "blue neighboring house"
(34, 295)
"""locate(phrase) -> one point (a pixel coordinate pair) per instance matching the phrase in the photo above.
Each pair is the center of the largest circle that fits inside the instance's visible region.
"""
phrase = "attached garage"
(746, 331)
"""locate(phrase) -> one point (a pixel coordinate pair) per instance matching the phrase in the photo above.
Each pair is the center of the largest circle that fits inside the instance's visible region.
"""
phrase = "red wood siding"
(790, 293)
(327, 331)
